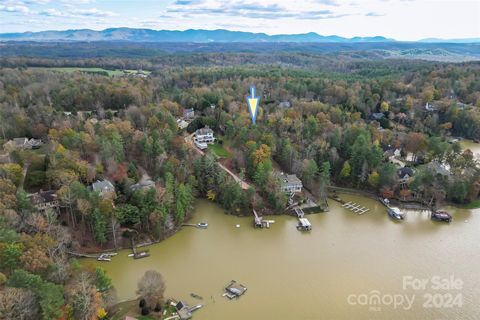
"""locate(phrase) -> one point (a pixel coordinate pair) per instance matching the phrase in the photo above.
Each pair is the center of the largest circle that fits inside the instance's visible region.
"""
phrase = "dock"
(234, 290)
(259, 222)
(138, 254)
(354, 207)
(303, 223)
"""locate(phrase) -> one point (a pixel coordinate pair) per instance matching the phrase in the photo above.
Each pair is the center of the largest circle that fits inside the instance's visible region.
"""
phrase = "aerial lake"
(336, 271)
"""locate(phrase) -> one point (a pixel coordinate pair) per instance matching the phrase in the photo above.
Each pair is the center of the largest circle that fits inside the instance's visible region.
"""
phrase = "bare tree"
(17, 303)
(151, 288)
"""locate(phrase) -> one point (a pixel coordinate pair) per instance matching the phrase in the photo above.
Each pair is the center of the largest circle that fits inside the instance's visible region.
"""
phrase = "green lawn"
(472, 205)
(219, 150)
(94, 70)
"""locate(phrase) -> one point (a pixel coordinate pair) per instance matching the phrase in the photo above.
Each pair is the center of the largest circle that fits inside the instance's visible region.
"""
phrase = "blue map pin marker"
(253, 102)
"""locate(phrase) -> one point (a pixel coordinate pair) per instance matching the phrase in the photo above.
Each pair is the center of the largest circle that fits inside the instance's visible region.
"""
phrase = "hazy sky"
(399, 19)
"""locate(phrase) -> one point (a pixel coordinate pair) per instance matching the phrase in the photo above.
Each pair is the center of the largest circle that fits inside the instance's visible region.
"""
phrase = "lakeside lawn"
(219, 150)
(475, 204)
(111, 73)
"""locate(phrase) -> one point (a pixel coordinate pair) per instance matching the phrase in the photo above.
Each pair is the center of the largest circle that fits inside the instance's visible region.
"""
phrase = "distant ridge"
(199, 36)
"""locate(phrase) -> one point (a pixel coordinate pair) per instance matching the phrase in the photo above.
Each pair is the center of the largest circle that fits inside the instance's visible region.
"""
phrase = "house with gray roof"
(104, 187)
(203, 136)
(23, 143)
(290, 183)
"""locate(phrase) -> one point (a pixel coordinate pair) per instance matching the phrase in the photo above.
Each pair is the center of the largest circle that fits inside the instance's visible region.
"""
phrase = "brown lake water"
(333, 272)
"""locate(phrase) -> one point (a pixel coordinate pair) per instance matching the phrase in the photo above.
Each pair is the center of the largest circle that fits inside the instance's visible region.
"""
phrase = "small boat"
(202, 225)
(234, 290)
(304, 224)
(442, 216)
(395, 213)
(141, 254)
(104, 257)
(196, 296)
(384, 201)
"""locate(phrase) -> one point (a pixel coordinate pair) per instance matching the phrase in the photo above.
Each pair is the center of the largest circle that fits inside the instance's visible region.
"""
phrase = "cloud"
(93, 12)
(187, 2)
(374, 14)
(14, 8)
(246, 9)
(328, 2)
(52, 13)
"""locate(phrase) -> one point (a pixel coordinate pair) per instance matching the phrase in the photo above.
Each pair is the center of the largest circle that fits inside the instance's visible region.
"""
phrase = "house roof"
(204, 131)
(290, 179)
(20, 141)
(144, 184)
(285, 104)
(402, 172)
(378, 115)
(43, 197)
(102, 186)
(439, 168)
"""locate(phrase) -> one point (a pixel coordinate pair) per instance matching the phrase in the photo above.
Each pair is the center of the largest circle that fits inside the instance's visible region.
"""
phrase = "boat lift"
(354, 207)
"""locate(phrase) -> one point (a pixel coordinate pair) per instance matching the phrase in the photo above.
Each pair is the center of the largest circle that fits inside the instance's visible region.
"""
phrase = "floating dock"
(354, 207)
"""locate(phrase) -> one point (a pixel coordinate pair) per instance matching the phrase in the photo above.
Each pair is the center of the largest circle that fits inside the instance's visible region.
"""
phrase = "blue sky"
(399, 19)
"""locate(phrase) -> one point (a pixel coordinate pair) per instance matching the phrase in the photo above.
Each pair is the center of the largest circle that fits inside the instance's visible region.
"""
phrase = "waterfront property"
(290, 183)
(282, 257)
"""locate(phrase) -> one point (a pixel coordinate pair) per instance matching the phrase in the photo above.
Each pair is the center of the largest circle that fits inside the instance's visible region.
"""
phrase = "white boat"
(104, 257)
(202, 225)
(395, 213)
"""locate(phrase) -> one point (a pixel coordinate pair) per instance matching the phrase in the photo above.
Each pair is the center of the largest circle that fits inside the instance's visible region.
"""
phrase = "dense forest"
(329, 119)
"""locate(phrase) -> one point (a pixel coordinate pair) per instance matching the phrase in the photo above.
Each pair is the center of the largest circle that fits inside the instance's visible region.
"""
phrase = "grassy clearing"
(219, 150)
(111, 73)
(472, 205)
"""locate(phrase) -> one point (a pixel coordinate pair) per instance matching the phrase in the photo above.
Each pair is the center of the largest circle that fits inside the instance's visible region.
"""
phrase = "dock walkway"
(259, 222)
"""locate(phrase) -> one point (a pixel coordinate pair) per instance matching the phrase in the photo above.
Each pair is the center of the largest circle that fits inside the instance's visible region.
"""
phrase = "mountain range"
(198, 36)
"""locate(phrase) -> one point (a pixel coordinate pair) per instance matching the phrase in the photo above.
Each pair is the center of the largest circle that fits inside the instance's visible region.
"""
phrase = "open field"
(111, 73)
(219, 150)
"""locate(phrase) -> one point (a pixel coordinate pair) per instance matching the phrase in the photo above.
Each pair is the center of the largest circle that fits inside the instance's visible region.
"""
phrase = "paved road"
(243, 184)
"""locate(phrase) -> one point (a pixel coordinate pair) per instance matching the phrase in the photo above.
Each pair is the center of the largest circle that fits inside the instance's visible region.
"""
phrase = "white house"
(290, 183)
(204, 135)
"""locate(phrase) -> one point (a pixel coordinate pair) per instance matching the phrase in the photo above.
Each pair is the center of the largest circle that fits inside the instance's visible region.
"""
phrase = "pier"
(303, 223)
(259, 222)
(354, 207)
(138, 254)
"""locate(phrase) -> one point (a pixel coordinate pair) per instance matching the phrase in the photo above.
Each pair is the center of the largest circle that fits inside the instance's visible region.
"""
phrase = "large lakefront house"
(23, 143)
(290, 183)
(203, 137)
